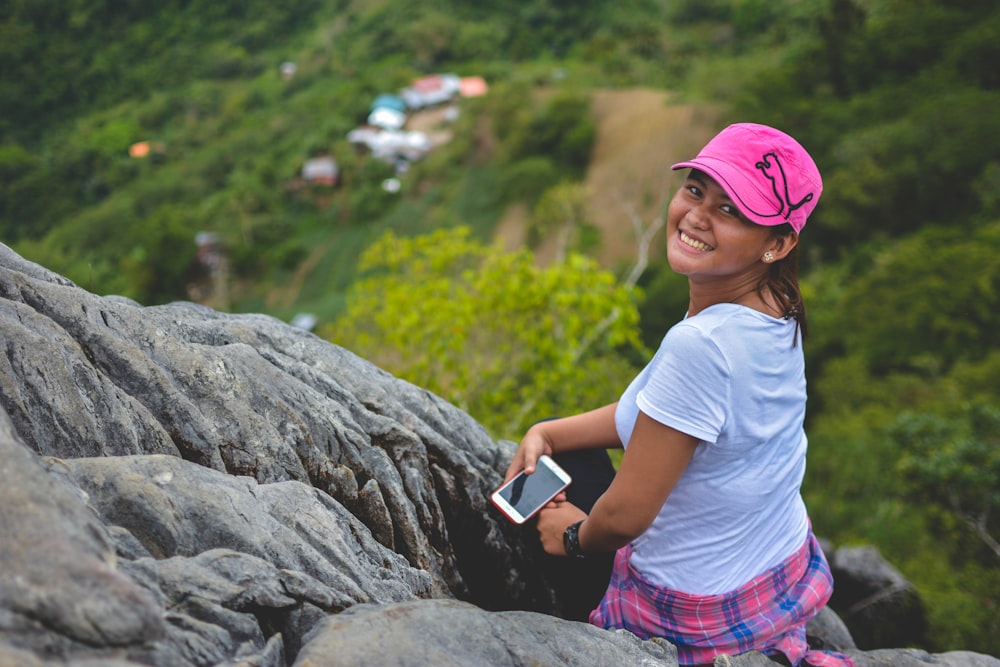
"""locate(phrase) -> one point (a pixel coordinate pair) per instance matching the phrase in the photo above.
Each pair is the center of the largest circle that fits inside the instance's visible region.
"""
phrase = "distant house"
(141, 149)
(392, 146)
(388, 111)
(305, 321)
(387, 101)
(322, 170)
(397, 146)
(363, 136)
(390, 119)
(431, 90)
(472, 86)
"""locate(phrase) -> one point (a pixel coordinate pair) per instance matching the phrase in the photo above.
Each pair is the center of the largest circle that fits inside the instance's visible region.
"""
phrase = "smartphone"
(522, 497)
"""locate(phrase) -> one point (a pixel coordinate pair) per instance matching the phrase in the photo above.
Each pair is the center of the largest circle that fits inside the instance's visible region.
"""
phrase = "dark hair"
(782, 281)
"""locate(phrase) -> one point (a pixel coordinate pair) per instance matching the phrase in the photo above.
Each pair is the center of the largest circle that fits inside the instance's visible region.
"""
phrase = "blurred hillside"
(132, 131)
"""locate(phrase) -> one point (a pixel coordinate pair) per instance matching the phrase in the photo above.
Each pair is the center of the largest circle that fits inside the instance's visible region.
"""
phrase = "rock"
(827, 632)
(176, 508)
(447, 633)
(60, 585)
(877, 604)
(248, 395)
(918, 658)
(187, 488)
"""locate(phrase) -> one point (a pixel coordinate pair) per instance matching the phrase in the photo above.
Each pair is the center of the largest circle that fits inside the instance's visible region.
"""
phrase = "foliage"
(859, 449)
(923, 303)
(489, 330)
(130, 44)
(562, 212)
(555, 136)
(954, 463)
(893, 105)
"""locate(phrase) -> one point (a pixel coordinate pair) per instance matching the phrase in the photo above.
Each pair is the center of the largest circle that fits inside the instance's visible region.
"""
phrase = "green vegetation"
(429, 307)
(896, 100)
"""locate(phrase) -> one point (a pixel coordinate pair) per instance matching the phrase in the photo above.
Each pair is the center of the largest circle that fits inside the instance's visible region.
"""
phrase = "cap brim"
(747, 199)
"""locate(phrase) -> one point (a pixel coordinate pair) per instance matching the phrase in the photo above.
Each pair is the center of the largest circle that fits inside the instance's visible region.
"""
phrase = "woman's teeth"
(695, 243)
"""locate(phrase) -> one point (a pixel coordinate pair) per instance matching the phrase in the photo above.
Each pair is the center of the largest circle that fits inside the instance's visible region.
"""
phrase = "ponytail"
(782, 282)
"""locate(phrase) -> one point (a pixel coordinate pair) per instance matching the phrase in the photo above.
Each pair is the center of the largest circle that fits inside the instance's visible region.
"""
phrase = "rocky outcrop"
(183, 487)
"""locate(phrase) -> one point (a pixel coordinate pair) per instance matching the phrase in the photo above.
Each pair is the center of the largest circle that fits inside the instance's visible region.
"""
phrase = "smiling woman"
(713, 546)
(734, 231)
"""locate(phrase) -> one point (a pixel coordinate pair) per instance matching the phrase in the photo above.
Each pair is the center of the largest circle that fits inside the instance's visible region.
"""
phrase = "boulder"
(875, 601)
(449, 633)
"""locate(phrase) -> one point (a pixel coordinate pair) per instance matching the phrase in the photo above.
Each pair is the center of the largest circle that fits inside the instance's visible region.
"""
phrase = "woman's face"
(707, 237)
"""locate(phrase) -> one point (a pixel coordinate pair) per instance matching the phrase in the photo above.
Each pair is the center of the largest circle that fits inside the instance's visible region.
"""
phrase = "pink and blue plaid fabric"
(768, 614)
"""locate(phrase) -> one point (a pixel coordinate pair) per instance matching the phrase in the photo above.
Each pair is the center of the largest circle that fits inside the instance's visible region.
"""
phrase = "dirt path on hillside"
(640, 133)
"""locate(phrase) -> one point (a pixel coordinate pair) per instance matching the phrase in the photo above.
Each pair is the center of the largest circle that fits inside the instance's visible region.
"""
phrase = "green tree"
(560, 129)
(954, 464)
(562, 211)
(489, 330)
(922, 303)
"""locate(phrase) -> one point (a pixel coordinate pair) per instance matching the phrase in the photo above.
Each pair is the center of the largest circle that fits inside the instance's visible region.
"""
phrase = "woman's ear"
(780, 245)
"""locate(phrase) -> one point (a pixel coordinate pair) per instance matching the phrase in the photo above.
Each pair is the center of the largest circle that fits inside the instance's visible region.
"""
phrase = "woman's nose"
(697, 216)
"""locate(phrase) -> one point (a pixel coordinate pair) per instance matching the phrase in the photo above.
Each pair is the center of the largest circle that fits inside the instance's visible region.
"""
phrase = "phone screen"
(526, 493)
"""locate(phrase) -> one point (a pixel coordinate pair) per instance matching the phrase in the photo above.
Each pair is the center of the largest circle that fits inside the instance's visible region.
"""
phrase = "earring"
(768, 256)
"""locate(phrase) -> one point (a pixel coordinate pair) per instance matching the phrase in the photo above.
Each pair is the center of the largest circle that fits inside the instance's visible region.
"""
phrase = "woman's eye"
(731, 210)
(694, 189)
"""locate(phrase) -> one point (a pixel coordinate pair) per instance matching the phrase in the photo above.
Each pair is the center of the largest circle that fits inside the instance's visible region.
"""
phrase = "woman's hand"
(589, 430)
(532, 446)
(553, 521)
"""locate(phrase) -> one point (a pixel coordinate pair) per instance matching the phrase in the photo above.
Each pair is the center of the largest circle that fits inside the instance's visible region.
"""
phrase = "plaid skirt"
(767, 614)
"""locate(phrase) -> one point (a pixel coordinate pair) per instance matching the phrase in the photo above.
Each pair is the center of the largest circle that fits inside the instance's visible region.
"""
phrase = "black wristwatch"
(571, 541)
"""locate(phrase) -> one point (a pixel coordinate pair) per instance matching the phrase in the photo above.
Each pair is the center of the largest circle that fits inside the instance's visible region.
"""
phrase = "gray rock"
(248, 395)
(448, 633)
(917, 658)
(827, 632)
(60, 585)
(877, 604)
(177, 508)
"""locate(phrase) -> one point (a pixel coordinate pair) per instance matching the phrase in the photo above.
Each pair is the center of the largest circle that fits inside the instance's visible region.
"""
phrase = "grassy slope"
(640, 132)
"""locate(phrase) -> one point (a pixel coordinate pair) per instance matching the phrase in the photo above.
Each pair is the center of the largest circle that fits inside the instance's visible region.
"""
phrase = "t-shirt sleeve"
(688, 386)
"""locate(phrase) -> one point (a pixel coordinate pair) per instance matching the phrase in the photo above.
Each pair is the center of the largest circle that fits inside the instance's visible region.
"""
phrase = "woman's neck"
(746, 293)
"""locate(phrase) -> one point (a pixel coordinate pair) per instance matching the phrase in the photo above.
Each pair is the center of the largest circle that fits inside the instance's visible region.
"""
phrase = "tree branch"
(644, 238)
(978, 526)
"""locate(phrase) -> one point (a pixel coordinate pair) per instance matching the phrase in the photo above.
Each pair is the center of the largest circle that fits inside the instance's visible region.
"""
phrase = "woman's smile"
(695, 243)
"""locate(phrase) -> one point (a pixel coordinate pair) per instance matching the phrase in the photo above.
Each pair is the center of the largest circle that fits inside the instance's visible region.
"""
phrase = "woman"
(714, 550)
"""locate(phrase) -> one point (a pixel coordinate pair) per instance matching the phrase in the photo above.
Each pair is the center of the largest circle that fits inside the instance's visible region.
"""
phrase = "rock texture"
(869, 589)
(183, 487)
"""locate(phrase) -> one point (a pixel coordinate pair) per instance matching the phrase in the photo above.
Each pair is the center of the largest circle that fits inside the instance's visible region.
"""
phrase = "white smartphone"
(522, 497)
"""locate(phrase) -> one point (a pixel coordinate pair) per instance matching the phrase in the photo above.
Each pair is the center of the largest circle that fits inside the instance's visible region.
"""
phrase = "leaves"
(955, 464)
(490, 330)
(936, 294)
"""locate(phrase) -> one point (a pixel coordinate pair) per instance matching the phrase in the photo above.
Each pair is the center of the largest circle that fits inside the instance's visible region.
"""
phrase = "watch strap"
(571, 541)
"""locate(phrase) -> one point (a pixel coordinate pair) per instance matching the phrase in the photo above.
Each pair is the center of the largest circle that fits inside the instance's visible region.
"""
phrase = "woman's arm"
(656, 457)
(589, 430)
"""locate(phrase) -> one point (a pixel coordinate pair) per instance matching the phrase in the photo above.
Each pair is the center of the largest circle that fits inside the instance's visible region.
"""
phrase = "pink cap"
(768, 175)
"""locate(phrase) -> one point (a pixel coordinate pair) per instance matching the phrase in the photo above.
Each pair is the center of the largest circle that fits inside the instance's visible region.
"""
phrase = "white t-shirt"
(731, 377)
